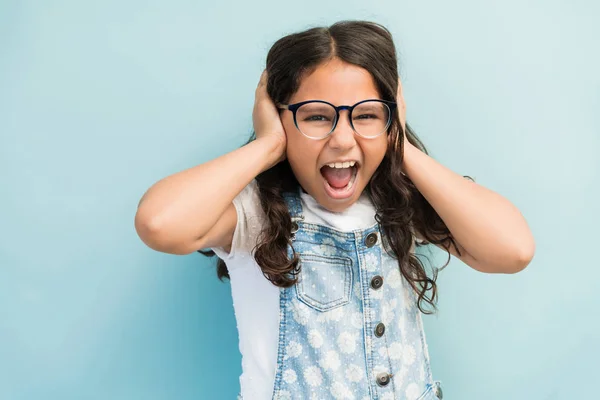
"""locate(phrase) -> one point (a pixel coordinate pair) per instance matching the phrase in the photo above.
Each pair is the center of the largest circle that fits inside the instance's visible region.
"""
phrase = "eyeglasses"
(316, 119)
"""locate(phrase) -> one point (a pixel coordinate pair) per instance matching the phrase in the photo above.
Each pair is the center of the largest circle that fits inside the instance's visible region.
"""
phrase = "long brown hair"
(400, 207)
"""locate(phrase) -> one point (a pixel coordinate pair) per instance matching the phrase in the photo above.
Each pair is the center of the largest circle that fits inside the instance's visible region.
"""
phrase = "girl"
(316, 218)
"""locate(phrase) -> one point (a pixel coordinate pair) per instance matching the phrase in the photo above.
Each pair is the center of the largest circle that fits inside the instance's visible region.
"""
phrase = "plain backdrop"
(99, 100)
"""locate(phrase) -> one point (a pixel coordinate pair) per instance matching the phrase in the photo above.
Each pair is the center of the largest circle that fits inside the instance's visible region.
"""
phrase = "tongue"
(337, 177)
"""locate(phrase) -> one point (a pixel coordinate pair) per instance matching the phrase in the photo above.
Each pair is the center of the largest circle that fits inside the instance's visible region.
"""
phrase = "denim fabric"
(327, 347)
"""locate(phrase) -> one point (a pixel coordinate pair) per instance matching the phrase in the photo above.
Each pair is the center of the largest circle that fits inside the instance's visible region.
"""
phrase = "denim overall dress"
(350, 328)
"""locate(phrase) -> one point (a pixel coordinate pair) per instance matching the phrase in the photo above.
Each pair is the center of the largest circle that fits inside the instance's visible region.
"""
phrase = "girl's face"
(338, 83)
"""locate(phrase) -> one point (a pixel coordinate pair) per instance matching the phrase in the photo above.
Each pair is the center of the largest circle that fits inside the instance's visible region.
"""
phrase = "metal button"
(376, 282)
(438, 391)
(371, 239)
(383, 378)
(379, 329)
(294, 227)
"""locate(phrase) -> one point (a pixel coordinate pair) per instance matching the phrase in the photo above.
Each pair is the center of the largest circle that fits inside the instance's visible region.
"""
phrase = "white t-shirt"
(256, 299)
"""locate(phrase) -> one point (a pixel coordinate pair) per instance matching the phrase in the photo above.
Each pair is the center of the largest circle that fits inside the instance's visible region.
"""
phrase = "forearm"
(489, 227)
(186, 205)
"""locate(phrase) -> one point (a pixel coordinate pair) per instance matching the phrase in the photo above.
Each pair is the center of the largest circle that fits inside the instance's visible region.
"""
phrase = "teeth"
(342, 165)
(351, 180)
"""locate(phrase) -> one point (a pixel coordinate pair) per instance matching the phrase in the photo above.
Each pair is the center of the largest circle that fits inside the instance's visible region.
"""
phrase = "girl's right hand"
(266, 119)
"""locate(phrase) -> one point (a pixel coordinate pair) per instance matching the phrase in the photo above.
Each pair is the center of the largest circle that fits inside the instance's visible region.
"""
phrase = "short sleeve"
(250, 220)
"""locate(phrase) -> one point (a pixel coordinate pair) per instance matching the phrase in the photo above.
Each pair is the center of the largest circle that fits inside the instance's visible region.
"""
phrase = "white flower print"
(313, 376)
(341, 391)
(310, 236)
(327, 246)
(332, 315)
(401, 374)
(378, 369)
(353, 373)
(396, 350)
(331, 360)
(387, 396)
(301, 313)
(371, 262)
(325, 349)
(376, 294)
(289, 375)
(346, 342)
(421, 372)
(294, 349)
(409, 355)
(328, 241)
(387, 313)
(394, 279)
(402, 323)
(412, 391)
(326, 250)
(356, 320)
(315, 339)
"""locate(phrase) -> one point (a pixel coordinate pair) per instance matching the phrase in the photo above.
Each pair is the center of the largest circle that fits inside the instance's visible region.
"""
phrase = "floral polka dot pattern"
(337, 334)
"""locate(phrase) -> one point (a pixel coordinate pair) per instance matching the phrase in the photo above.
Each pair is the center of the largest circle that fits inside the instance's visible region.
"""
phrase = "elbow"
(525, 259)
(509, 262)
(148, 230)
(522, 258)
(153, 234)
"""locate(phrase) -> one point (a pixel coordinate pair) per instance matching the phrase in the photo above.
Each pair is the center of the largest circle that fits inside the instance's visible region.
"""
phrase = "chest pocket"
(325, 282)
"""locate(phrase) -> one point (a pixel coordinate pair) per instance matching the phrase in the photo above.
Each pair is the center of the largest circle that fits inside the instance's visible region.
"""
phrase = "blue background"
(99, 100)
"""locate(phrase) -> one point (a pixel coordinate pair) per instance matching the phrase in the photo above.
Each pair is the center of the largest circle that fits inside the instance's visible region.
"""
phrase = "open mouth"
(340, 182)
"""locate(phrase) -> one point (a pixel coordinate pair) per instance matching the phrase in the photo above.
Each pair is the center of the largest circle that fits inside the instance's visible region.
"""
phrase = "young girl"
(316, 218)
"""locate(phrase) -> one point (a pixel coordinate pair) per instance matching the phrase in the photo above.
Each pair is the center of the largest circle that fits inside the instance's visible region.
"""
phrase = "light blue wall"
(100, 100)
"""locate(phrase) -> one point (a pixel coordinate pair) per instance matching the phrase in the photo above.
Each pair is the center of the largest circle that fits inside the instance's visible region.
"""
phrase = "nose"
(342, 137)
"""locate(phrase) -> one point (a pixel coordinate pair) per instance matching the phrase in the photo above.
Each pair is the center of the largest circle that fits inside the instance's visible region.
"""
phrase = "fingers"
(261, 89)
(263, 80)
(399, 94)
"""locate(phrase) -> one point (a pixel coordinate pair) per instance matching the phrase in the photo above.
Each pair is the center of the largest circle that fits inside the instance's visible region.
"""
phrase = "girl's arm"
(491, 233)
(193, 209)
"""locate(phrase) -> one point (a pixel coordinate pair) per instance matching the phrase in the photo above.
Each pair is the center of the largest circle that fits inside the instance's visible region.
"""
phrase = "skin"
(339, 83)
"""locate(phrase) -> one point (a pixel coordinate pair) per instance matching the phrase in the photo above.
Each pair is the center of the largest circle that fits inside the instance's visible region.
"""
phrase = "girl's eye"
(317, 118)
(366, 116)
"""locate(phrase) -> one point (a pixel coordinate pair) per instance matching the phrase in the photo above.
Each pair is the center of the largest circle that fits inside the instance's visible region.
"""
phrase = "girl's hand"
(402, 111)
(266, 119)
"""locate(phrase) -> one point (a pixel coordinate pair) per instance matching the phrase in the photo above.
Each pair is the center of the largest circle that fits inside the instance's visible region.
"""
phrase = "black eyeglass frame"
(294, 107)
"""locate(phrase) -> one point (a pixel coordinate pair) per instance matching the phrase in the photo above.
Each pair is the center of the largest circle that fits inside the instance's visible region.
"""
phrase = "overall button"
(438, 392)
(294, 227)
(379, 329)
(383, 379)
(376, 282)
(371, 239)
